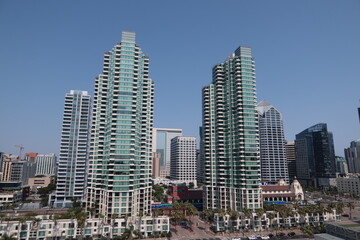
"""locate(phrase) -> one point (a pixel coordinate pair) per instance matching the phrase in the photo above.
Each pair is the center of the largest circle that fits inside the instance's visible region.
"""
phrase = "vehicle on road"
(291, 234)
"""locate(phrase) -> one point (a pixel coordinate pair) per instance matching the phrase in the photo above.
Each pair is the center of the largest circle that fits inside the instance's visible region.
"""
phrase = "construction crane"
(21, 148)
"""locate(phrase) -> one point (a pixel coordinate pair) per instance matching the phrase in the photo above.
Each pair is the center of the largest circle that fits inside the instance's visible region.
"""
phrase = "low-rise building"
(181, 193)
(349, 184)
(96, 228)
(9, 198)
(39, 181)
(260, 223)
(282, 192)
(348, 230)
(166, 181)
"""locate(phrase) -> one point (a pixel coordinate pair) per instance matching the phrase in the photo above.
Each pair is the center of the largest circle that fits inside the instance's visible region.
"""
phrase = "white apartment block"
(183, 158)
(46, 164)
(120, 162)
(96, 228)
(10, 197)
(73, 159)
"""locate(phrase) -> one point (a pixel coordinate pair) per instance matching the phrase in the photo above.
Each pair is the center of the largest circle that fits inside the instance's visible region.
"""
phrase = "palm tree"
(260, 212)
(351, 206)
(302, 214)
(9, 237)
(339, 208)
(308, 230)
(81, 219)
(20, 224)
(270, 216)
(247, 212)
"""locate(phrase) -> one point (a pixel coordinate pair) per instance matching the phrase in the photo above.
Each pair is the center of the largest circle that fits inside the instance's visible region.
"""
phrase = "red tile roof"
(275, 188)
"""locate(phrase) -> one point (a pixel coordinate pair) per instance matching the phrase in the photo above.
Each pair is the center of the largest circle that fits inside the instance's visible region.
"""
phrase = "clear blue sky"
(307, 57)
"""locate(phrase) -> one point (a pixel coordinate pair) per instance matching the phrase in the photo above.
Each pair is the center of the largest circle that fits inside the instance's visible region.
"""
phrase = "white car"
(252, 237)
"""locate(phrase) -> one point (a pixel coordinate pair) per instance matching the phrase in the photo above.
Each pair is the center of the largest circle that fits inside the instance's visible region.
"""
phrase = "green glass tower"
(119, 175)
(230, 135)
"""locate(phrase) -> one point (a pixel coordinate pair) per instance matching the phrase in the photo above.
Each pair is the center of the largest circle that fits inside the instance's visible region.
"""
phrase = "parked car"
(291, 234)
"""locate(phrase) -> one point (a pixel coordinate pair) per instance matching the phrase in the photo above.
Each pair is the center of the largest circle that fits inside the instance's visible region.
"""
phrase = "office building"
(352, 156)
(162, 145)
(119, 176)
(291, 160)
(230, 135)
(21, 171)
(341, 165)
(46, 164)
(183, 158)
(156, 165)
(199, 166)
(73, 158)
(6, 171)
(348, 184)
(315, 156)
(1, 161)
(272, 144)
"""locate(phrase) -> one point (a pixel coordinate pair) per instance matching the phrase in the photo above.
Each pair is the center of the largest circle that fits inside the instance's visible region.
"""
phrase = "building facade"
(230, 135)
(119, 176)
(291, 160)
(272, 144)
(46, 164)
(352, 156)
(162, 145)
(21, 171)
(315, 156)
(73, 158)
(93, 228)
(282, 192)
(31, 157)
(341, 165)
(156, 165)
(349, 184)
(183, 158)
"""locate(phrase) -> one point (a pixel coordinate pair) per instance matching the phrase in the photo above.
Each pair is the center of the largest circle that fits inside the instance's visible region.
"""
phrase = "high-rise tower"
(272, 144)
(119, 178)
(162, 145)
(315, 156)
(230, 135)
(291, 160)
(183, 158)
(73, 158)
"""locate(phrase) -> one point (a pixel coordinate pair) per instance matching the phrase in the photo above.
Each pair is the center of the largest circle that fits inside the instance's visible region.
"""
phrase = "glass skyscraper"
(73, 158)
(352, 156)
(119, 176)
(272, 144)
(230, 135)
(315, 156)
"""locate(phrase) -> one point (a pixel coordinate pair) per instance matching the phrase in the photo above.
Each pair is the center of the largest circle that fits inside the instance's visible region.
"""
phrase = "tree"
(247, 212)
(158, 193)
(191, 185)
(260, 212)
(8, 237)
(21, 222)
(351, 206)
(270, 216)
(339, 208)
(308, 230)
